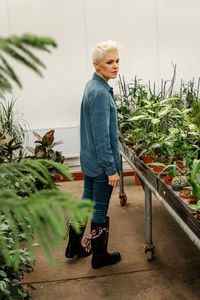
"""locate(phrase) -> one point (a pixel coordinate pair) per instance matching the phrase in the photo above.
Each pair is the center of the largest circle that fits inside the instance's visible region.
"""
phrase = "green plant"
(10, 279)
(194, 180)
(10, 123)
(19, 48)
(45, 147)
(179, 182)
(50, 204)
(196, 206)
(10, 149)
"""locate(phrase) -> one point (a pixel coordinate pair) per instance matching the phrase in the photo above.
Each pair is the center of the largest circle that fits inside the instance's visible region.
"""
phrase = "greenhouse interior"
(100, 149)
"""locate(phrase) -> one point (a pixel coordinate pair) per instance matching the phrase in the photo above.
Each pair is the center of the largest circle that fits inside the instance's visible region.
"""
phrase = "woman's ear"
(95, 64)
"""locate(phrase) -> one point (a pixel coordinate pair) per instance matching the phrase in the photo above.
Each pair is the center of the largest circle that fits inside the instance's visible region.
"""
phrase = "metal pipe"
(181, 223)
(121, 182)
(148, 215)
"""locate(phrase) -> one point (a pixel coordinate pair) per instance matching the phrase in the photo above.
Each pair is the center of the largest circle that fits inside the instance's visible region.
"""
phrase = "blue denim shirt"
(98, 130)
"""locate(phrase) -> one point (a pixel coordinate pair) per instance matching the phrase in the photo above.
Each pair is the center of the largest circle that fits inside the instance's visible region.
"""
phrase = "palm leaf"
(9, 71)
(18, 49)
(17, 56)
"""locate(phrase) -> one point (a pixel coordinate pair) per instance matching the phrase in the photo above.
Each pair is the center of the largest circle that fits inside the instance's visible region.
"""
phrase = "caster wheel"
(149, 254)
(123, 199)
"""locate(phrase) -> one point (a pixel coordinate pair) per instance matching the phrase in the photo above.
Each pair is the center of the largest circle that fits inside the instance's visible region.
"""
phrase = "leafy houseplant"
(196, 207)
(194, 180)
(45, 147)
(9, 147)
(10, 279)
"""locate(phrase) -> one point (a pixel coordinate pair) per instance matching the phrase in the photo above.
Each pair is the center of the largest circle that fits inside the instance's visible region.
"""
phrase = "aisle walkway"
(174, 274)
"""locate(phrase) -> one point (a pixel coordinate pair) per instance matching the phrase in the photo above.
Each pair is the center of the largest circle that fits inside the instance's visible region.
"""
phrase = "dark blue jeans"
(98, 190)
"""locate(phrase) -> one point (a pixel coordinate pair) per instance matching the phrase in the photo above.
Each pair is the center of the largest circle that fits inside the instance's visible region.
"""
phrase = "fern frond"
(44, 211)
(63, 169)
(16, 173)
(41, 213)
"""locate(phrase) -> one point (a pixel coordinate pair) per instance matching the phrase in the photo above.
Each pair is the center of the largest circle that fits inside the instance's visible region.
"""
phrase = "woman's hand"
(113, 180)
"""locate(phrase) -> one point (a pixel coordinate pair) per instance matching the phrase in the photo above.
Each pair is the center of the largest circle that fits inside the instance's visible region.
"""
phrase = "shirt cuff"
(111, 170)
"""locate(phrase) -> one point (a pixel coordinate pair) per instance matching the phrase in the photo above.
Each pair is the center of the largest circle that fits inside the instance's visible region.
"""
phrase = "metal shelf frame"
(169, 199)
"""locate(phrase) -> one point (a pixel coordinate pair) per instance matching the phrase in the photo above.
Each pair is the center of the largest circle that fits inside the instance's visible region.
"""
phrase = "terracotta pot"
(59, 178)
(168, 179)
(158, 169)
(147, 159)
(186, 194)
(198, 215)
(191, 201)
(131, 147)
(162, 175)
(180, 165)
(137, 180)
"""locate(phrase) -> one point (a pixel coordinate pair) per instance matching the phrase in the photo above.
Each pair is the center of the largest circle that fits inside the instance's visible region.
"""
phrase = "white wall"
(151, 35)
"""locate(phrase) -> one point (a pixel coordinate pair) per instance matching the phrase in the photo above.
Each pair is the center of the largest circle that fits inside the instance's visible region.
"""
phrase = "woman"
(99, 154)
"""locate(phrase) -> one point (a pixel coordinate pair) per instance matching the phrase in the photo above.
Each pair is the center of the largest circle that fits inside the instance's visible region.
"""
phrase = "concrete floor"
(173, 274)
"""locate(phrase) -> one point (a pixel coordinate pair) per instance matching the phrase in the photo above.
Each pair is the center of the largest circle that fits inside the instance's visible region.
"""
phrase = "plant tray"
(179, 205)
(171, 197)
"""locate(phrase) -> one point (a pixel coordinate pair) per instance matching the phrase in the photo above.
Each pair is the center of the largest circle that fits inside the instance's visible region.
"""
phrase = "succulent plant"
(179, 182)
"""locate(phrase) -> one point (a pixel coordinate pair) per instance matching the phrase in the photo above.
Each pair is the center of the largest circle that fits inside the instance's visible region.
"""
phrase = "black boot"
(99, 243)
(74, 247)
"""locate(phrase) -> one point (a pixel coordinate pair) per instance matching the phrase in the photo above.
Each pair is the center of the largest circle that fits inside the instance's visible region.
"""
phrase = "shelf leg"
(122, 195)
(149, 248)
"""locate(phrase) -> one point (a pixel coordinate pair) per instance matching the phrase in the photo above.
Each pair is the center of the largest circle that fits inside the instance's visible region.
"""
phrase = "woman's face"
(108, 67)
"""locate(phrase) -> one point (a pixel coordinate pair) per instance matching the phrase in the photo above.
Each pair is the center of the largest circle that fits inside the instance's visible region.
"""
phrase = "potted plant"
(44, 150)
(187, 194)
(194, 180)
(196, 208)
(179, 182)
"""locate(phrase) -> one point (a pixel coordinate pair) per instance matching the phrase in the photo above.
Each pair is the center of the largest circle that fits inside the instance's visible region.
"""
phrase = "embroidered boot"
(74, 247)
(99, 242)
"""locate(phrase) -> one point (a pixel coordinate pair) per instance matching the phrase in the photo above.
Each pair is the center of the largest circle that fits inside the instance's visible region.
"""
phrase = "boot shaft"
(99, 242)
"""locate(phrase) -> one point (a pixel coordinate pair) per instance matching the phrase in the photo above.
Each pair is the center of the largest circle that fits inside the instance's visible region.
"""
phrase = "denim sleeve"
(100, 120)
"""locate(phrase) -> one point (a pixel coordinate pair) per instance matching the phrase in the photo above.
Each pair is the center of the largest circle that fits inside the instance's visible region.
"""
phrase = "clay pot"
(198, 215)
(168, 179)
(186, 194)
(147, 159)
(131, 147)
(137, 180)
(158, 169)
(180, 165)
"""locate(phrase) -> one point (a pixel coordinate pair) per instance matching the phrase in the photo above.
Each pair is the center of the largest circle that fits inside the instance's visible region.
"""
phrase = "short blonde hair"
(101, 49)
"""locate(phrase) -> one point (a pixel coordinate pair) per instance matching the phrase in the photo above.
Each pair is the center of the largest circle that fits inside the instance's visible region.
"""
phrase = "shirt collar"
(103, 82)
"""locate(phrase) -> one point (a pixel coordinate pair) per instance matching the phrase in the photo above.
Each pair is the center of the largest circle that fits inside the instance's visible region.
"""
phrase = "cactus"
(179, 182)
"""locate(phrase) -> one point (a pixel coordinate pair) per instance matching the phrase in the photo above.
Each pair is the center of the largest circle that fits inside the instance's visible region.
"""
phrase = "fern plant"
(41, 214)
(20, 49)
